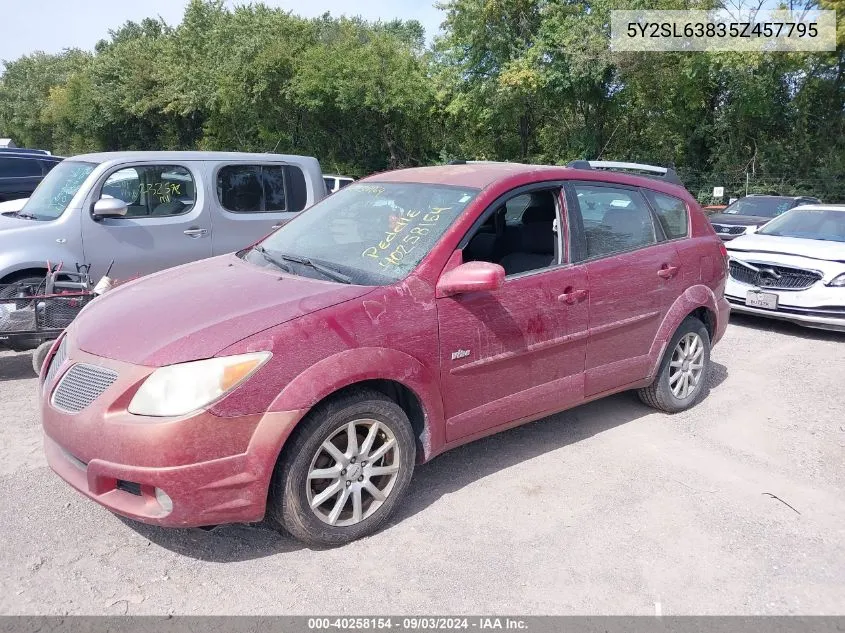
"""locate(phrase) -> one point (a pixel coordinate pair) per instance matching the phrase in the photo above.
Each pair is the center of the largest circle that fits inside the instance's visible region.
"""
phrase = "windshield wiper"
(328, 272)
(278, 264)
(21, 214)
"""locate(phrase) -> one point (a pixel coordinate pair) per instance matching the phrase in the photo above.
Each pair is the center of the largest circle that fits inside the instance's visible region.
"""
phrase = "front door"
(166, 223)
(517, 352)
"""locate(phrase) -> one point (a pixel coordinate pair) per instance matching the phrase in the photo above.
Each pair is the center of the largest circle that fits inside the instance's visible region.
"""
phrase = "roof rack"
(661, 173)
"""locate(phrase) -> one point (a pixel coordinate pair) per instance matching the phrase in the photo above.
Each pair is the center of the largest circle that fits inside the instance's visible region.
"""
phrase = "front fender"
(693, 298)
(370, 363)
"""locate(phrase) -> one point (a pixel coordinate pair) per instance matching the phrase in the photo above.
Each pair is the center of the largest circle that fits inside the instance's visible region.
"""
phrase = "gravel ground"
(609, 508)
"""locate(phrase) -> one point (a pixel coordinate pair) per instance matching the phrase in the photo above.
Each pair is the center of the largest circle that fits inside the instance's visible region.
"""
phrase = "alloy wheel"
(353, 472)
(686, 366)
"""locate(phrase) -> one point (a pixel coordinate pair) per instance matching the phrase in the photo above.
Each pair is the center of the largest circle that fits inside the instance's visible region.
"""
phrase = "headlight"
(838, 282)
(180, 389)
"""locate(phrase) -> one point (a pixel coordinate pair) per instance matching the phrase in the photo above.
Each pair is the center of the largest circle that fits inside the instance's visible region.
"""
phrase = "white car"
(12, 206)
(335, 182)
(793, 268)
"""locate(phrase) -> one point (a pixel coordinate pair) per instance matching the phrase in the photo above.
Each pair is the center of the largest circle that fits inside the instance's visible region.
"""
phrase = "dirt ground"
(734, 507)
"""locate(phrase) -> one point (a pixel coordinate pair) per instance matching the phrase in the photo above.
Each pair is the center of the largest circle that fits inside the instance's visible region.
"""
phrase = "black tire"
(40, 355)
(288, 497)
(659, 393)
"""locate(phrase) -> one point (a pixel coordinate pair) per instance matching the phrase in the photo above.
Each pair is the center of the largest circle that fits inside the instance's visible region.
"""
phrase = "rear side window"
(152, 190)
(261, 188)
(614, 219)
(19, 168)
(671, 213)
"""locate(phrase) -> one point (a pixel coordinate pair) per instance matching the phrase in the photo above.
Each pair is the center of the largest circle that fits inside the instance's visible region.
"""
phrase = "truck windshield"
(369, 233)
(54, 193)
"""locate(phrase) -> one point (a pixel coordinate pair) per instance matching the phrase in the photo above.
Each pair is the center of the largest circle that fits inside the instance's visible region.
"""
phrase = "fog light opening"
(164, 500)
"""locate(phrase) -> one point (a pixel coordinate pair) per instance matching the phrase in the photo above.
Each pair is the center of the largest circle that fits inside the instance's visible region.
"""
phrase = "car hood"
(827, 257)
(10, 222)
(194, 311)
(741, 220)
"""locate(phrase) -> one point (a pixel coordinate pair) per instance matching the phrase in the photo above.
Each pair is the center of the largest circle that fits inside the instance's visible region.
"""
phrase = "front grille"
(774, 277)
(131, 487)
(729, 229)
(56, 362)
(81, 385)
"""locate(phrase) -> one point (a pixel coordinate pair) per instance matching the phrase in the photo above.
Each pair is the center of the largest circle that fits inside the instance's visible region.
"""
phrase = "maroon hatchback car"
(410, 312)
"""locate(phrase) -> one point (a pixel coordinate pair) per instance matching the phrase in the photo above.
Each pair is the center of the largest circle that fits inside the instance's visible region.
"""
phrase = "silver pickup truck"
(147, 211)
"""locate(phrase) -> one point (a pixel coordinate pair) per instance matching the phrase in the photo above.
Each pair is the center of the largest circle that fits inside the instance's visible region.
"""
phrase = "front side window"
(54, 193)
(329, 184)
(252, 188)
(520, 235)
(152, 190)
(671, 213)
(614, 219)
(368, 233)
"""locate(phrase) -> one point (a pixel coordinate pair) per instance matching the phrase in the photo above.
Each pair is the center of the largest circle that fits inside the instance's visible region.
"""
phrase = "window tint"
(252, 188)
(152, 190)
(614, 219)
(274, 188)
(671, 212)
(344, 181)
(19, 168)
(329, 184)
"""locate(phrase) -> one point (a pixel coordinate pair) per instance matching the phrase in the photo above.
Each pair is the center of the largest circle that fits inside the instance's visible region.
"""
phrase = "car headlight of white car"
(180, 389)
(837, 282)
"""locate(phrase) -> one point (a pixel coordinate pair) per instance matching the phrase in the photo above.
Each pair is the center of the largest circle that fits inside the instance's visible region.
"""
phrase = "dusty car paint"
(326, 336)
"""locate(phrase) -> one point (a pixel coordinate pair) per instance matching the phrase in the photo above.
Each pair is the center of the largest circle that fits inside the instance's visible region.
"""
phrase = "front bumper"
(213, 469)
(819, 306)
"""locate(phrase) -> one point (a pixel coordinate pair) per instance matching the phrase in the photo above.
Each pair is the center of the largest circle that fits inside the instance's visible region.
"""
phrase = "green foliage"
(529, 80)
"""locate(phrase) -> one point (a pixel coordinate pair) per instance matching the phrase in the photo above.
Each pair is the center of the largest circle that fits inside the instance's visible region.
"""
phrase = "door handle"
(195, 232)
(571, 296)
(666, 271)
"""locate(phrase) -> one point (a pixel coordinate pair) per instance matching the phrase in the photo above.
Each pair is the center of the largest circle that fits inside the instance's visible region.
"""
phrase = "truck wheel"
(344, 469)
(682, 377)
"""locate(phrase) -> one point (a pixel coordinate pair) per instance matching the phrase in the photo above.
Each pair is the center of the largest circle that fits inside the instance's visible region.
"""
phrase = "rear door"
(252, 200)
(166, 224)
(633, 272)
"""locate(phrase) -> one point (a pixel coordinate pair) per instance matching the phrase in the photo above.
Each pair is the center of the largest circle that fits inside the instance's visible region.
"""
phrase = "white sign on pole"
(718, 192)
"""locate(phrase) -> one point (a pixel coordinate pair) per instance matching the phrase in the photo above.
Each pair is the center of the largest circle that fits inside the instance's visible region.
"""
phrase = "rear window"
(258, 188)
(671, 212)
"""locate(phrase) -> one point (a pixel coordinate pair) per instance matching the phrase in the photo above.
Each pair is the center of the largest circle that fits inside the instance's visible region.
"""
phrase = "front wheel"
(682, 377)
(344, 470)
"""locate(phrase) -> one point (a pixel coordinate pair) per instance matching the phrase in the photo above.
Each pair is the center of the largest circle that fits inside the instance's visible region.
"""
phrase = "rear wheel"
(682, 377)
(344, 470)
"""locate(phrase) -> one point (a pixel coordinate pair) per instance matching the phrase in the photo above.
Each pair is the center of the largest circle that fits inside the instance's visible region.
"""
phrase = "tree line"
(520, 80)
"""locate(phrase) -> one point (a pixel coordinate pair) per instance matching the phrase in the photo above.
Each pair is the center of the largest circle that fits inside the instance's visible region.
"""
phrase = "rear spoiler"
(666, 174)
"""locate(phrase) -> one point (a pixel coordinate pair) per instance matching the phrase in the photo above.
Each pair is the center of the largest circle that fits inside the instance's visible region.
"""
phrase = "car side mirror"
(110, 208)
(471, 277)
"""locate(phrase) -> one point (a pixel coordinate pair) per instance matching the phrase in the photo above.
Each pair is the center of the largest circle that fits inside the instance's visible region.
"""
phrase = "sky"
(27, 26)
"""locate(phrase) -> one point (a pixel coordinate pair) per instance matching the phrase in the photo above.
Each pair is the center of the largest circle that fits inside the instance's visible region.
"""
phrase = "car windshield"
(810, 224)
(761, 207)
(368, 233)
(54, 193)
